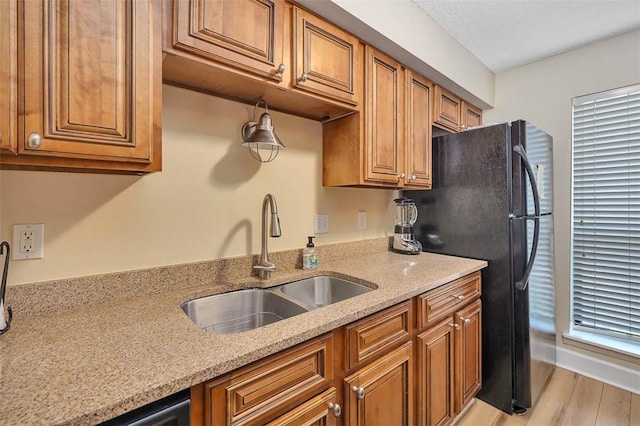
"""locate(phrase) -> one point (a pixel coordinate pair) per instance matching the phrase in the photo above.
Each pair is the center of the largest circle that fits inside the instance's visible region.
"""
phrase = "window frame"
(626, 343)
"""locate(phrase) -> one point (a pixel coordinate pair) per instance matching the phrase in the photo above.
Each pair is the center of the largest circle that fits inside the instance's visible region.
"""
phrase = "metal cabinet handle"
(34, 141)
(304, 77)
(413, 177)
(456, 326)
(358, 391)
(459, 296)
(335, 409)
(465, 320)
(280, 69)
(401, 176)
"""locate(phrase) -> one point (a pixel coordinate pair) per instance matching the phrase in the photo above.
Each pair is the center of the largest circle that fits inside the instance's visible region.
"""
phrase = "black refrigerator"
(492, 199)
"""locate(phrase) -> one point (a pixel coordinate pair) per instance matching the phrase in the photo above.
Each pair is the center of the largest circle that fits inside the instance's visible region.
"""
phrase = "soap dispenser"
(310, 255)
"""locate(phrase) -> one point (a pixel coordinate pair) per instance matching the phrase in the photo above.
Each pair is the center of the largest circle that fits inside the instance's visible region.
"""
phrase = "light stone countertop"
(93, 363)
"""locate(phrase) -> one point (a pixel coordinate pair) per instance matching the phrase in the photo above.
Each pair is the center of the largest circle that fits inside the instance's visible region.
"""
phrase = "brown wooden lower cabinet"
(468, 366)
(436, 355)
(369, 372)
(322, 410)
(381, 393)
(449, 365)
(267, 389)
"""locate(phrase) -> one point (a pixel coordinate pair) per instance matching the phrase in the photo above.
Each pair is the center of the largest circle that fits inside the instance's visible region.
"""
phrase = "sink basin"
(320, 291)
(240, 310)
(244, 310)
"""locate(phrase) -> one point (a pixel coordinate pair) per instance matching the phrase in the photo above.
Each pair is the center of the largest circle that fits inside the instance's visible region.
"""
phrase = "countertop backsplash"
(49, 297)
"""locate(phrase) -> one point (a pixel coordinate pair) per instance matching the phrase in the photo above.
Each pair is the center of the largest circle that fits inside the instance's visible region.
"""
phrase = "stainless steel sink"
(323, 290)
(240, 310)
(244, 310)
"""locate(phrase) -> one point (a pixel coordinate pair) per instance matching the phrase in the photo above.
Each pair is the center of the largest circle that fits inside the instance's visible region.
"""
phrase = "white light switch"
(321, 224)
(362, 220)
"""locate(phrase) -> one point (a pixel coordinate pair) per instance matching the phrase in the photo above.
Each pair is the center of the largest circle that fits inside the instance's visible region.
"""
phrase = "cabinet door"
(418, 134)
(8, 105)
(322, 410)
(325, 58)
(471, 115)
(246, 35)
(384, 121)
(382, 392)
(89, 84)
(435, 374)
(468, 367)
(447, 110)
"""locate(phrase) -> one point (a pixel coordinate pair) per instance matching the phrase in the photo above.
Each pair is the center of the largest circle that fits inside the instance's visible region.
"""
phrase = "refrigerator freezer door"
(539, 150)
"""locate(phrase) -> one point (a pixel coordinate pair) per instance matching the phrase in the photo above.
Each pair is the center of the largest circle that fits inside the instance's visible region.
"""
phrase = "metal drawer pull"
(459, 297)
(465, 320)
(335, 409)
(34, 141)
(304, 77)
(456, 326)
(280, 69)
(358, 391)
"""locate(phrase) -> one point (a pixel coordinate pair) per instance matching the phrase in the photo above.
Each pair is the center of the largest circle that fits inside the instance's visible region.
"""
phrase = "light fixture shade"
(261, 137)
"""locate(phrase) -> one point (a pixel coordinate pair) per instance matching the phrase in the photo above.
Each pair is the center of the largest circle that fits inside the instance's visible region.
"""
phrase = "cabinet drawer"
(376, 334)
(274, 385)
(321, 410)
(436, 304)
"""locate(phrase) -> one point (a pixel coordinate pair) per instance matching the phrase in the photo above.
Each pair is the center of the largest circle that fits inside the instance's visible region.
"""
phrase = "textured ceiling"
(504, 34)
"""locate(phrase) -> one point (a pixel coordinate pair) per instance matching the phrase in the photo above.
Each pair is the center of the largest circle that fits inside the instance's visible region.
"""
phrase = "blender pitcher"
(403, 238)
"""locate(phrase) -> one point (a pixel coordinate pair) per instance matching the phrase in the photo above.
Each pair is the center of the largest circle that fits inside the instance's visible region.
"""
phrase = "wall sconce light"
(260, 137)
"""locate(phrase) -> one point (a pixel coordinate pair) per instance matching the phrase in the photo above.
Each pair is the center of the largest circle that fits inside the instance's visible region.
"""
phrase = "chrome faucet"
(264, 268)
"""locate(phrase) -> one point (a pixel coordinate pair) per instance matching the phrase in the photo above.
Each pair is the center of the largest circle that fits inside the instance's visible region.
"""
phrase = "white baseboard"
(599, 369)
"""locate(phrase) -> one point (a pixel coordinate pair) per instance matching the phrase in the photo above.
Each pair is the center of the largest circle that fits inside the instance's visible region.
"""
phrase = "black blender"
(403, 239)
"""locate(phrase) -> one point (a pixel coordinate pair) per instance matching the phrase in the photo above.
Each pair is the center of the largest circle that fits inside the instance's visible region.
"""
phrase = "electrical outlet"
(362, 220)
(28, 241)
(321, 224)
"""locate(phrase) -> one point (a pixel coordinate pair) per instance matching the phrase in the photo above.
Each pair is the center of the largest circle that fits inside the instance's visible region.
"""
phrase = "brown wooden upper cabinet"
(325, 58)
(89, 88)
(8, 106)
(418, 135)
(452, 113)
(243, 34)
(384, 118)
(389, 143)
(270, 49)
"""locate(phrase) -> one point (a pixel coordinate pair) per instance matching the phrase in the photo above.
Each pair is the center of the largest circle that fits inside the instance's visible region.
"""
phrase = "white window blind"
(606, 213)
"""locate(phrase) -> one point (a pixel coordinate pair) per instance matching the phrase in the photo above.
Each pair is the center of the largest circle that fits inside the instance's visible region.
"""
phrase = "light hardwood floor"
(568, 400)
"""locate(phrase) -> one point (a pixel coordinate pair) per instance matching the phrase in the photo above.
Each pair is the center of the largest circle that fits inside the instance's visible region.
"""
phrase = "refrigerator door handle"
(522, 283)
(519, 149)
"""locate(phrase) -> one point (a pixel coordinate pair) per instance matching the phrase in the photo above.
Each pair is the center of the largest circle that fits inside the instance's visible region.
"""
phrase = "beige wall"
(205, 204)
(542, 93)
